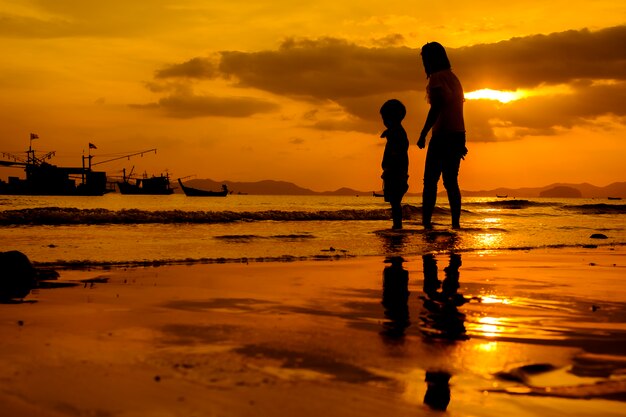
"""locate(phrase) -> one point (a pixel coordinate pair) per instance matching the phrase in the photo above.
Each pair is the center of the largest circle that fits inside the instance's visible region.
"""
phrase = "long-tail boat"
(195, 192)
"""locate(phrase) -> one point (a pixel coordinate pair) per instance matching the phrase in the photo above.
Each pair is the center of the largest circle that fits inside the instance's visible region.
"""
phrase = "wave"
(600, 208)
(75, 216)
(512, 203)
(248, 238)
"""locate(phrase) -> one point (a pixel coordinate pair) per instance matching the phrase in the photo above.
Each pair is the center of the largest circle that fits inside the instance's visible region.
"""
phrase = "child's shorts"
(395, 186)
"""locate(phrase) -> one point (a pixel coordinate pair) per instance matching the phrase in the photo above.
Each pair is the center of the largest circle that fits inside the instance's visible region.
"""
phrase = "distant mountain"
(616, 189)
(561, 192)
(272, 187)
(267, 187)
(346, 191)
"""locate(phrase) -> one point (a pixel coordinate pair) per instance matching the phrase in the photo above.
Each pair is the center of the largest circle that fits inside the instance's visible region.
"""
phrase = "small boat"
(375, 194)
(194, 192)
(502, 196)
(615, 198)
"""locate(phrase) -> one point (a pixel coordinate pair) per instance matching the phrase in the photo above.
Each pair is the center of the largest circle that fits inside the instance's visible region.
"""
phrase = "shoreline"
(330, 254)
(536, 332)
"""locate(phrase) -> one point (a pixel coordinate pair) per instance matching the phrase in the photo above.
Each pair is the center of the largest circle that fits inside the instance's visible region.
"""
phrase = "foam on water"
(171, 229)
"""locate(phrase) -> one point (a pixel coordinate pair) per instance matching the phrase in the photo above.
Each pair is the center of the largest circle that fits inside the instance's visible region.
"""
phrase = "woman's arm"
(436, 99)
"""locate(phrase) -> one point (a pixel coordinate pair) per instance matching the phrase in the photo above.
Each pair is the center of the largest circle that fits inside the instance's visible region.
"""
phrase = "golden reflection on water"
(487, 347)
(489, 240)
(492, 220)
(490, 299)
(488, 326)
(486, 357)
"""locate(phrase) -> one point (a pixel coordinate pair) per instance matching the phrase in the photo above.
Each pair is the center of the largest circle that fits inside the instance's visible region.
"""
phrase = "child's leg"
(396, 213)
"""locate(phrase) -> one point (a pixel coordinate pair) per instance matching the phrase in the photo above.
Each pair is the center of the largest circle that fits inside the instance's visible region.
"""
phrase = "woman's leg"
(451, 183)
(432, 172)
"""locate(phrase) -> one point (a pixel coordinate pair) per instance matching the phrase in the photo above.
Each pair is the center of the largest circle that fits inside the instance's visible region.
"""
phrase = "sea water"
(117, 229)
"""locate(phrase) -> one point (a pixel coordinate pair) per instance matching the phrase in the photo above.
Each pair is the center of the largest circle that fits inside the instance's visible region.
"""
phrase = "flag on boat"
(34, 136)
(92, 146)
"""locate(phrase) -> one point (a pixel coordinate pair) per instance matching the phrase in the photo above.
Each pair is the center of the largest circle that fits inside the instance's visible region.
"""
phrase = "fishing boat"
(194, 192)
(145, 186)
(615, 198)
(502, 195)
(375, 194)
(44, 178)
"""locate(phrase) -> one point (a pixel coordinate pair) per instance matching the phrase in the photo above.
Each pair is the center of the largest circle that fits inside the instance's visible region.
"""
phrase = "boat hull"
(52, 180)
(133, 189)
(194, 192)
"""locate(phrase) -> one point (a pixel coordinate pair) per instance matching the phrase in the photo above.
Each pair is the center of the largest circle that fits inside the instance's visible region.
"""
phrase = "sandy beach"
(522, 333)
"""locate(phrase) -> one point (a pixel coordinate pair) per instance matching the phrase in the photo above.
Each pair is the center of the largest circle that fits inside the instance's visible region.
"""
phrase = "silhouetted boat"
(146, 186)
(615, 198)
(194, 192)
(375, 194)
(43, 178)
(501, 196)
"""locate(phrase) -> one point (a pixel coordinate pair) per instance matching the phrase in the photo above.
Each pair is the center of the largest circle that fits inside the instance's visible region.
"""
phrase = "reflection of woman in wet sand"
(447, 143)
(442, 318)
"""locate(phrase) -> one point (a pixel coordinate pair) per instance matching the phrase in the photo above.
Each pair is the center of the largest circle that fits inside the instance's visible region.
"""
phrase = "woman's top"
(444, 89)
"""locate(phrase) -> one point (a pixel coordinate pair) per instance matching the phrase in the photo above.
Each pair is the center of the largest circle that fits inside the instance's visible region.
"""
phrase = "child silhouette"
(395, 158)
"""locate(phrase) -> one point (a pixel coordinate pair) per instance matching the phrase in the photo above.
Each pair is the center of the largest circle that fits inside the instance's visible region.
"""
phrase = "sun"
(489, 94)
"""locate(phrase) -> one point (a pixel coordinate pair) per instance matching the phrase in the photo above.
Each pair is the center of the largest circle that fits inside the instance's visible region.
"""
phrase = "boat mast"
(88, 157)
(30, 154)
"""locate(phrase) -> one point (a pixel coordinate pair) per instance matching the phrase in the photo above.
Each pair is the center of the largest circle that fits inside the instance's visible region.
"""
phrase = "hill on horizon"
(275, 187)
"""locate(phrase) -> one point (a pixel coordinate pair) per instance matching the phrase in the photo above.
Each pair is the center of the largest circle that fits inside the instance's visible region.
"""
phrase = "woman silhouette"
(447, 143)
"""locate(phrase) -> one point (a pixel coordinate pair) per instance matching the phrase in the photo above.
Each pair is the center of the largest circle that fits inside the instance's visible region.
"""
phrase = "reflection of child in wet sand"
(395, 300)
(395, 158)
(437, 394)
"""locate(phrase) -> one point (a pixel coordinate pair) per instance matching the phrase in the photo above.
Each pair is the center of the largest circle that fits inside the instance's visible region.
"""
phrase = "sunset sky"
(250, 90)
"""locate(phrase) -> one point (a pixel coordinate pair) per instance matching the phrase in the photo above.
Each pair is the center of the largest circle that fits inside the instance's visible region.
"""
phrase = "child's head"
(392, 112)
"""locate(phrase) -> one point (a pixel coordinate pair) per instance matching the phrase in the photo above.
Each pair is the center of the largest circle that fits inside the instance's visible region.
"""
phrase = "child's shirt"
(396, 155)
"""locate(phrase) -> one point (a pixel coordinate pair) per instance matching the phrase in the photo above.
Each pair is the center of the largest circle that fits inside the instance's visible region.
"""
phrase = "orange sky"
(252, 90)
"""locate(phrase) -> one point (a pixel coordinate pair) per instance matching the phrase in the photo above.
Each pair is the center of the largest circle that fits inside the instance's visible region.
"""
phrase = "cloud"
(188, 105)
(70, 18)
(194, 68)
(357, 77)
(564, 111)
(14, 26)
(539, 115)
(543, 59)
(332, 68)
(323, 69)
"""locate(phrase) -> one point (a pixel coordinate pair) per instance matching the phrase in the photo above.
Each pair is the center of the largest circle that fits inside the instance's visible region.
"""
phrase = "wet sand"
(537, 333)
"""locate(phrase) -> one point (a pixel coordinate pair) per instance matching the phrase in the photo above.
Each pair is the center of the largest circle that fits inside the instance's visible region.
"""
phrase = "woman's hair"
(434, 58)
(393, 110)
